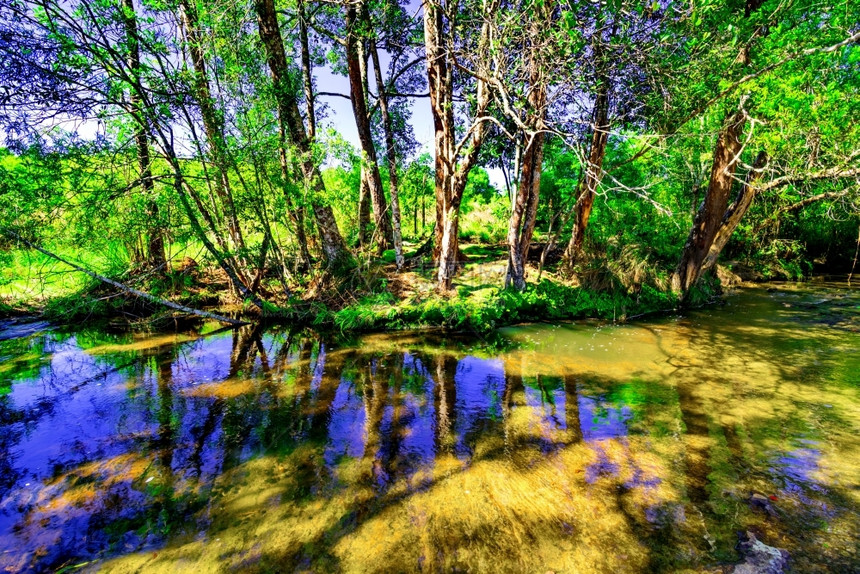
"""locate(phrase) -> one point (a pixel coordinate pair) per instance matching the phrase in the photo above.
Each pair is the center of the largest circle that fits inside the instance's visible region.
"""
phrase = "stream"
(587, 447)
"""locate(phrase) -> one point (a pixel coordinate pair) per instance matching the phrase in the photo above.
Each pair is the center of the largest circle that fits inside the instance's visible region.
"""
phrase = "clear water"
(575, 448)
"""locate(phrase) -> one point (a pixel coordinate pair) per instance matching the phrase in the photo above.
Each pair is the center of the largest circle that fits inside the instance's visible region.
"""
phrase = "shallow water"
(572, 448)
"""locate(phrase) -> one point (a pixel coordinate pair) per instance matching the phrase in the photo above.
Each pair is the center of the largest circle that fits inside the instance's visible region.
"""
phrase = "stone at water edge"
(759, 558)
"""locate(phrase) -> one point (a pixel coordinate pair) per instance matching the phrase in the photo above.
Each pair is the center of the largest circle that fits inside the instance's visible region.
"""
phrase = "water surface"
(574, 448)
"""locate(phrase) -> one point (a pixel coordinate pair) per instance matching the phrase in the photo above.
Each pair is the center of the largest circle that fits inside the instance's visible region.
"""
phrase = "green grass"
(485, 309)
(6, 310)
(29, 279)
(31, 282)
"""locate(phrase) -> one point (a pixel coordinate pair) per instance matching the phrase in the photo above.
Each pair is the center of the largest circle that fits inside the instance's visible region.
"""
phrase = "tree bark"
(290, 124)
(441, 94)
(713, 207)
(297, 213)
(712, 212)
(524, 212)
(594, 169)
(735, 212)
(363, 209)
(357, 72)
(451, 175)
(390, 152)
(155, 242)
(307, 71)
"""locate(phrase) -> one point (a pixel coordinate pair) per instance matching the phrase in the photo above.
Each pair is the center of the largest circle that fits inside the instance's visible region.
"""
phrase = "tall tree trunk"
(450, 175)
(363, 209)
(155, 243)
(518, 165)
(212, 122)
(290, 124)
(307, 71)
(524, 212)
(712, 217)
(357, 72)
(713, 207)
(594, 169)
(297, 213)
(441, 96)
(735, 212)
(390, 151)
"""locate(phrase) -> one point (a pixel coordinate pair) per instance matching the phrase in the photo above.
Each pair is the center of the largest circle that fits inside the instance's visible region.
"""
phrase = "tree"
(710, 214)
(290, 122)
(596, 153)
(525, 204)
(454, 159)
(89, 55)
(390, 146)
(357, 71)
(157, 258)
(211, 121)
(715, 220)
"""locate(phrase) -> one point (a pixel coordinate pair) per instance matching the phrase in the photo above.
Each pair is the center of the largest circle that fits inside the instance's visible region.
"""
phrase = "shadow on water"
(643, 447)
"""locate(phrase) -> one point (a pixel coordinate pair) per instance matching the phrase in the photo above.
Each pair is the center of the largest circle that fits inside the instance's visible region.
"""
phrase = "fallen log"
(126, 288)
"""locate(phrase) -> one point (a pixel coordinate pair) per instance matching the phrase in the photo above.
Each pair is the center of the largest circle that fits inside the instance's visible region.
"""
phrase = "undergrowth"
(6, 310)
(613, 289)
(493, 307)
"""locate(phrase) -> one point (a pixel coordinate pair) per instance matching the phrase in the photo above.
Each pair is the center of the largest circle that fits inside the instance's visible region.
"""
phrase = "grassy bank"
(491, 307)
(373, 297)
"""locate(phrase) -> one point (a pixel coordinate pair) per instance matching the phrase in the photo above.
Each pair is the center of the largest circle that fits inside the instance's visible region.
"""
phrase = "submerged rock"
(760, 502)
(759, 558)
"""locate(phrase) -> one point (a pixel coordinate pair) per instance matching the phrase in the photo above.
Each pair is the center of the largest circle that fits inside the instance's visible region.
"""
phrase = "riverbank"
(373, 297)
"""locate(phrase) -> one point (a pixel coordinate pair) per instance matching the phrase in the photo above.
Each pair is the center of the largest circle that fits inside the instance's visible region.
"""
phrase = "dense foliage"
(195, 150)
